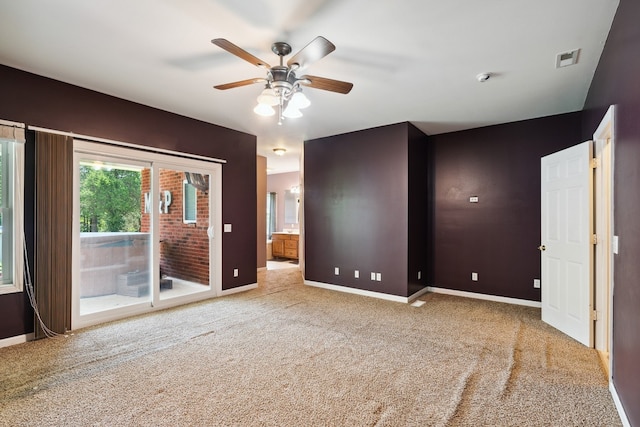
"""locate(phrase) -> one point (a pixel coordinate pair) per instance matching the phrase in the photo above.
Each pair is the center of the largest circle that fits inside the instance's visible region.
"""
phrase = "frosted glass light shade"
(291, 112)
(264, 110)
(268, 97)
(300, 100)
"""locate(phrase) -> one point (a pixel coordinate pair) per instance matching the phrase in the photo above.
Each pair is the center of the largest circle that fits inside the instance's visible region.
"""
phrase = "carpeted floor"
(286, 354)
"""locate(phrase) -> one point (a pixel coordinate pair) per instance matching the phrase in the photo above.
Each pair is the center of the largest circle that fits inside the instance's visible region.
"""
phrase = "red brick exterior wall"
(184, 248)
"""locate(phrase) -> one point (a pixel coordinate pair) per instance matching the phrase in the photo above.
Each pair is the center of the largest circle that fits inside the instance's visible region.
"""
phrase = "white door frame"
(603, 205)
(155, 160)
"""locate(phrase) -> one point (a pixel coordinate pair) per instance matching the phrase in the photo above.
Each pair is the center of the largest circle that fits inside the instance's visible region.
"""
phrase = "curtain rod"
(127, 144)
(9, 123)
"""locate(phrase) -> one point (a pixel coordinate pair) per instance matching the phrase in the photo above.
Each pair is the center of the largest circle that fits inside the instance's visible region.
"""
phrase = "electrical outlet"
(536, 283)
(378, 276)
(474, 276)
(356, 274)
(336, 271)
(373, 276)
(235, 272)
(419, 275)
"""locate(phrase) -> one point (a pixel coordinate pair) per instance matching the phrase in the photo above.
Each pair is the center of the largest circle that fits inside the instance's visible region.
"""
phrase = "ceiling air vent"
(565, 59)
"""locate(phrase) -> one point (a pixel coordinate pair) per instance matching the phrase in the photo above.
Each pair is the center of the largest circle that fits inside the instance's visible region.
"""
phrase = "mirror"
(291, 203)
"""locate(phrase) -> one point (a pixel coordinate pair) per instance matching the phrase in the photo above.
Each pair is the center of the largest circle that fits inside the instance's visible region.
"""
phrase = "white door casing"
(566, 245)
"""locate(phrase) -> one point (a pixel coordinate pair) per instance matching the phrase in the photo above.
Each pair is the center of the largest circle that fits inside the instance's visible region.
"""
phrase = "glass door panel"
(183, 225)
(115, 244)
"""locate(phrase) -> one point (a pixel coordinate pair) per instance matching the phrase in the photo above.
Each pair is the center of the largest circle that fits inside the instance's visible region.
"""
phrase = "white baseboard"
(619, 407)
(238, 289)
(362, 292)
(486, 297)
(19, 339)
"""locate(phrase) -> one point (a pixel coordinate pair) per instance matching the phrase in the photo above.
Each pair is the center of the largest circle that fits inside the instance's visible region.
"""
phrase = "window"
(11, 197)
(189, 203)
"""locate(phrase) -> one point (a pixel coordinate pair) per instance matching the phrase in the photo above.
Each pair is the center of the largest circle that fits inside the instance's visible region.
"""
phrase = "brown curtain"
(53, 231)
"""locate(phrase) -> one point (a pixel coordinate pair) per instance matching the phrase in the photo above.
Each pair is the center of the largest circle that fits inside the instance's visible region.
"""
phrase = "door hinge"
(594, 315)
(594, 239)
(594, 163)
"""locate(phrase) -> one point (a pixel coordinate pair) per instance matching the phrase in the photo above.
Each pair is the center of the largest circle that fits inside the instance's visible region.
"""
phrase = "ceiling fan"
(283, 88)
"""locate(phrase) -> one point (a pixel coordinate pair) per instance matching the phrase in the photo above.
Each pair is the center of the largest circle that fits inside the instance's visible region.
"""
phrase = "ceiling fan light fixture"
(282, 90)
(291, 112)
(279, 151)
(300, 100)
(264, 110)
(268, 97)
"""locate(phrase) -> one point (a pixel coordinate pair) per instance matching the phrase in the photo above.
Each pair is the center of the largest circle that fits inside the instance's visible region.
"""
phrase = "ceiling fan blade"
(327, 84)
(240, 53)
(317, 49)
(240, 83)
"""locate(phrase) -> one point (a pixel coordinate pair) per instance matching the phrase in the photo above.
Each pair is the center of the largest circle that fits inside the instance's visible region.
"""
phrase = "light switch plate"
(614, 245)
(473, 199)
(227, 228)
(536, 283)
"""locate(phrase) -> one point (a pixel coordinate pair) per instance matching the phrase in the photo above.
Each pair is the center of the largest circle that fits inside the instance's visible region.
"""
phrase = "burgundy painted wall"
(43, 102)
(356, 210)
(497, 237)
(420, 228)
(617, 81)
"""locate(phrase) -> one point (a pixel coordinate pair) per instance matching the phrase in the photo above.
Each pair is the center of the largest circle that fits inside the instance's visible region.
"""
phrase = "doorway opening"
(577, 240)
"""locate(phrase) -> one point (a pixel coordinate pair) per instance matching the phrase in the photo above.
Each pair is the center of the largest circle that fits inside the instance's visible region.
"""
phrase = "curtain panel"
(53, 231)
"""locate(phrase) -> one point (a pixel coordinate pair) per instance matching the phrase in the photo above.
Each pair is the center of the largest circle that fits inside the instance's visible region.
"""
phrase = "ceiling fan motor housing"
(283, 80)
(281, 48)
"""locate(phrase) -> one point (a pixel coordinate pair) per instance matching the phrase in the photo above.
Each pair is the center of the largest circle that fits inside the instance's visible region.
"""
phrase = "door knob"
(542, 248)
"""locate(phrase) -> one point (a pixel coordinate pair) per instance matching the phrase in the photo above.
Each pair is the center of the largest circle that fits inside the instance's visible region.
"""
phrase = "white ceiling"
(409, 60)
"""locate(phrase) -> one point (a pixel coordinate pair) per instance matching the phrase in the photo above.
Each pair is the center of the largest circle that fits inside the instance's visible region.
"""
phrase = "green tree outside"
(109, 200)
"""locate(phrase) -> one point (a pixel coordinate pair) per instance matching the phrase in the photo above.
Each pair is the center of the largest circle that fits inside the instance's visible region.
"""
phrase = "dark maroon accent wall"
(617, 82)
(498, 236)
(43, 102)
(356, 208)
(420, 202)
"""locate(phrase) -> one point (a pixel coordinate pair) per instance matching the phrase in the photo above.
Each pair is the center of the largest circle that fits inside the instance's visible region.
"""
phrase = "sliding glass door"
(144, 232)
(115, 249)
(183, 228)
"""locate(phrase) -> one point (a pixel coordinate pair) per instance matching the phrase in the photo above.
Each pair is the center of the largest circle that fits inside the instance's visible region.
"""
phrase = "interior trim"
(486, 297)
(362, 292)
(238, 289)
(18, 339)
(619, 407)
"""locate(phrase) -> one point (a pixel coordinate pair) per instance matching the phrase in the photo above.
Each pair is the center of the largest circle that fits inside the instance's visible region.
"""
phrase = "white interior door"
(566, 246)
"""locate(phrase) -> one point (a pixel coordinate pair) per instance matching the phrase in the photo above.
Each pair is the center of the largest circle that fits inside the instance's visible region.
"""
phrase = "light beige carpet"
(290, 355)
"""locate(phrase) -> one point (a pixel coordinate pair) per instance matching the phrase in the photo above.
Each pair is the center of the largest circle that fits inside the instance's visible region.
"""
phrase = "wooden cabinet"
(284, 245)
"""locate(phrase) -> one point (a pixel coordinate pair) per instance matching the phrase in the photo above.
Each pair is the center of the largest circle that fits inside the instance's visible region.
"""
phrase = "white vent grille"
(564, 59)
